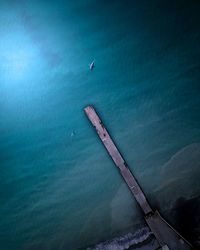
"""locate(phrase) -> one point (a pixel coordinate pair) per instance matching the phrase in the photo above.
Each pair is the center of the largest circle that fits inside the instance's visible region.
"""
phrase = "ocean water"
(58, 187)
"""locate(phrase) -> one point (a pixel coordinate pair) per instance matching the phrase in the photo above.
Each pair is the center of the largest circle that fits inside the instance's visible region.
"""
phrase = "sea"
(59, 189)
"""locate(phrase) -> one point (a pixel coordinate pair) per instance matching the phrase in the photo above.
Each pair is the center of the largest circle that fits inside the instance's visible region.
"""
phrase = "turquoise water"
(58, 187)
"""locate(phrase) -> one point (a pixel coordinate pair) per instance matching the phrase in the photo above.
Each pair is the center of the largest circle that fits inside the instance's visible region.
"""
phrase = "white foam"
(124, 242)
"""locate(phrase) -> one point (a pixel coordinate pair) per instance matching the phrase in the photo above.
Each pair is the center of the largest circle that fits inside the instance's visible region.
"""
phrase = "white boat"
(92, 65)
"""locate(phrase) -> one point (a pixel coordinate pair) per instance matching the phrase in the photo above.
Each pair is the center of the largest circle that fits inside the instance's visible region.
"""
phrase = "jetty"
(168, 238)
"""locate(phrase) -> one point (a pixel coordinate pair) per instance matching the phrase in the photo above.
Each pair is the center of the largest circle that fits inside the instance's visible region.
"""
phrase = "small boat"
(73, 133)
(92, 65)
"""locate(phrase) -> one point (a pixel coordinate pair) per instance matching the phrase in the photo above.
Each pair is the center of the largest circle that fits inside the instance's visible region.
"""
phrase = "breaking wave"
(125, 241)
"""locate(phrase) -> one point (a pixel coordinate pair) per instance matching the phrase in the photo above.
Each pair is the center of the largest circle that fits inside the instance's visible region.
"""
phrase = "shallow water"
(58, 187)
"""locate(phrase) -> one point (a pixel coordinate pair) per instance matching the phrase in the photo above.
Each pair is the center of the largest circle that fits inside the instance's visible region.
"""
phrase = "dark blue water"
(58, 187)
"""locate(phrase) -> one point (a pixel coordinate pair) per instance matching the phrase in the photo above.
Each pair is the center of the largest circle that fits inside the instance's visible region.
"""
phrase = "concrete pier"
(167, 237)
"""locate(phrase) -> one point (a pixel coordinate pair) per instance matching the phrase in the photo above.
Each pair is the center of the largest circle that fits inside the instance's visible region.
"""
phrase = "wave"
(140, 238)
